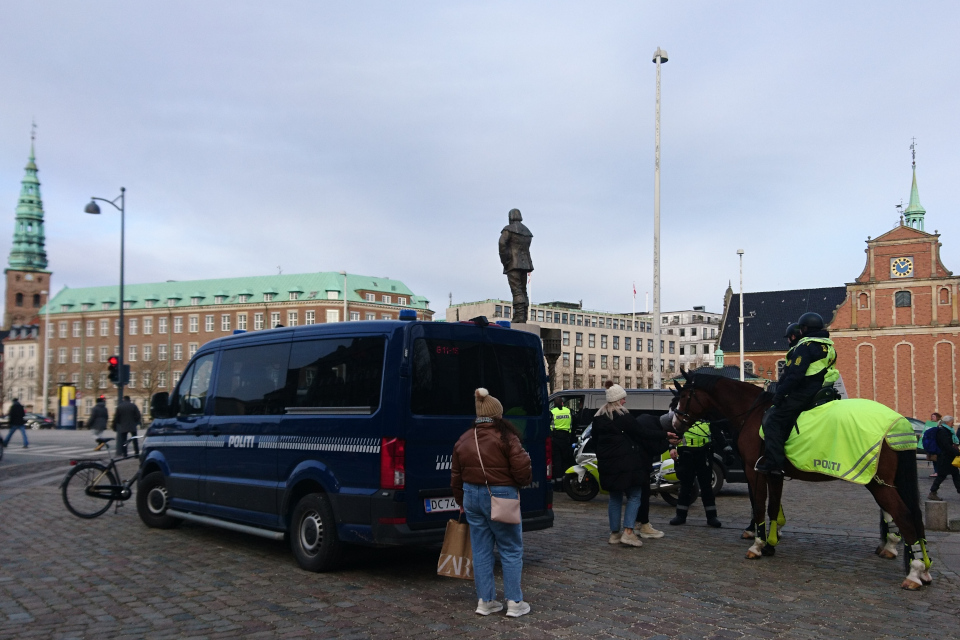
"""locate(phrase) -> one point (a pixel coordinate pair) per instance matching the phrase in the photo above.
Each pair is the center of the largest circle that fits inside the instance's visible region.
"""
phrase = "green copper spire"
(28, 252)
(913, 215)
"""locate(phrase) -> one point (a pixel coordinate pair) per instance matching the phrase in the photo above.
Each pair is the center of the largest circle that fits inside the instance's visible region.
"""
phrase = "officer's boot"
(681, 517)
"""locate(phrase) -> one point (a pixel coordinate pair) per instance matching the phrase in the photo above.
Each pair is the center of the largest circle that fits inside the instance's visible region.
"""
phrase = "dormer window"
(401, 300)
(126, 305)
(105, 306)
(218, 300)
(195, 300)
(268, 297)
(243, 297)
(148, 304)
(64, 308)
(294, 295)
(171, 302)
(387, 299)
(370, 297)
(85, 307)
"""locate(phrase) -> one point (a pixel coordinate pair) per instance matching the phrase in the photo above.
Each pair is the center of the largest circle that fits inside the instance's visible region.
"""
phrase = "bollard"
(936, 515)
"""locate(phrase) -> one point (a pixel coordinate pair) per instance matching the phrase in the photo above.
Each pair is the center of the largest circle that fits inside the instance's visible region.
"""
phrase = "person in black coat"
(16, 420)
(126, 419)
(625, 451)
(948, 451)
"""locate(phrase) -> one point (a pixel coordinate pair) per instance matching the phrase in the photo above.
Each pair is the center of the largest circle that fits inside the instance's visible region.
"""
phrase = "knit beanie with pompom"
(487, 405)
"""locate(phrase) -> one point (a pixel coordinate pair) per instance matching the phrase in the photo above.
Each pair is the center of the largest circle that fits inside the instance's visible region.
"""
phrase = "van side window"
(195, 387)
(339, 372)
(252, 380)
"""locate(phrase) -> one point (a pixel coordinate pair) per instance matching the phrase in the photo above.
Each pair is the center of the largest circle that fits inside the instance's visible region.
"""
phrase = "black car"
(37, 421)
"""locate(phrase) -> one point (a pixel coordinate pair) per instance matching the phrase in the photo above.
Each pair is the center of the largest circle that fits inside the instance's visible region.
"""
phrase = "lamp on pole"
(659, 57)
(46, 352)
(94, 208)
(345, 316)
(740, 253)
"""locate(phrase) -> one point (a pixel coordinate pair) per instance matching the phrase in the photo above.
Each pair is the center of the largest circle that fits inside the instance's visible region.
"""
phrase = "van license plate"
(436, 505)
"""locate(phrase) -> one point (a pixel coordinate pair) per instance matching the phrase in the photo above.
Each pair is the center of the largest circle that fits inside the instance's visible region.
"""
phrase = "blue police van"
(339, 433)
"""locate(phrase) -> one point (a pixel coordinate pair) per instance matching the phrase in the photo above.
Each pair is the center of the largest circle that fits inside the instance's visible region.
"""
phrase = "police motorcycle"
(582, 481)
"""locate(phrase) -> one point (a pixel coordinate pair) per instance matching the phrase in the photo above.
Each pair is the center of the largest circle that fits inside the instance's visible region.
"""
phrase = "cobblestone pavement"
(61, 577)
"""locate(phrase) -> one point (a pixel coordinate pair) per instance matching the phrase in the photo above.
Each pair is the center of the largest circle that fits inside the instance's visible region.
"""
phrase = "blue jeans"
(634, 496)
(13, 430)
(483, 533)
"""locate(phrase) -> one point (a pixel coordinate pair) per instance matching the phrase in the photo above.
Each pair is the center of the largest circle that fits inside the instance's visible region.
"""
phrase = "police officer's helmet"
(810, 322)
(794, 333)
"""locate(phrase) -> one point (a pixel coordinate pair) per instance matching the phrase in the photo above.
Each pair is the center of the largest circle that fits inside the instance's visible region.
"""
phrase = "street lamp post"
(740, 253)
(46, 352)
(93, 208)
(659, 57)
(345, 316)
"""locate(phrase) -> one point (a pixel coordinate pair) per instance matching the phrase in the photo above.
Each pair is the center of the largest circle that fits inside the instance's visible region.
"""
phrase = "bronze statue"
(515, 255)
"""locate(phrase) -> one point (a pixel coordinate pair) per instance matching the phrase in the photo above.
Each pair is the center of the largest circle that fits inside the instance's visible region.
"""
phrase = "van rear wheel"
(313, 534)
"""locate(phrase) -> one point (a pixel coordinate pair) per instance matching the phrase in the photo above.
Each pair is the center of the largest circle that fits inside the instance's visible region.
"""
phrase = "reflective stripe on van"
(302, 443)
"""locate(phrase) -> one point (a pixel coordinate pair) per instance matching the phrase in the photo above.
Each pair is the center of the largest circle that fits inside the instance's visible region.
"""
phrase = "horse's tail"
(908, 486)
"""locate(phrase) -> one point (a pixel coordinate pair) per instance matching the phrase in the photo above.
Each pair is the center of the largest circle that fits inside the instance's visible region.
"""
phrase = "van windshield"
(446, 373)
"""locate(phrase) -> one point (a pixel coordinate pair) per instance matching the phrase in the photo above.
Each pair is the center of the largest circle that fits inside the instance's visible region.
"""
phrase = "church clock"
(901, 267)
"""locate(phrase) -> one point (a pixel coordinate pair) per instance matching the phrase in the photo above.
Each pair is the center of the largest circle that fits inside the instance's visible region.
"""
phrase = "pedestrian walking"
(695, 464)
(16, 421)
(625, 450)
(126, 419)
(99, 418)
(949, 449)
(933, 423)
(489, 461)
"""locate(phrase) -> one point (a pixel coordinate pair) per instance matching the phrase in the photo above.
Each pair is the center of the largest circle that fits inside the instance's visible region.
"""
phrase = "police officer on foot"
(810, 366)
(694, 462)
(562, 438)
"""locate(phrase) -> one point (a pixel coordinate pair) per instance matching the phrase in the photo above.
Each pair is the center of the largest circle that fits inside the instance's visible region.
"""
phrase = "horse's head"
(693, 400)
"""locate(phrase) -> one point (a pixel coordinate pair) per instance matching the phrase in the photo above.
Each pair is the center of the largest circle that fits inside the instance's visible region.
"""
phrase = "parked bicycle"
(92, 486)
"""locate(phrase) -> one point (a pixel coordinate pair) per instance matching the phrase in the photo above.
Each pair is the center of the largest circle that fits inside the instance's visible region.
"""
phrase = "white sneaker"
(488, 607)
(647, 531)
(517, 609)
(631, 539)
(614, 538)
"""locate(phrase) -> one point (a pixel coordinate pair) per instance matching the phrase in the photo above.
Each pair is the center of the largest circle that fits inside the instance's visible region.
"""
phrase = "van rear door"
(447, 363)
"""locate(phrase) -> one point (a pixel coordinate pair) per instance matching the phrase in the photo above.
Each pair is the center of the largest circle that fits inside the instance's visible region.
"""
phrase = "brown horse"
(894, 487)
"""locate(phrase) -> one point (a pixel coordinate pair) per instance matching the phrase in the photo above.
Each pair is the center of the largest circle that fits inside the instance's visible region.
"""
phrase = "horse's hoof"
(886, 555)
(910, 585)
(926, 583)
(747, 535)
(768, 550)
(878, 550)
(753, 556)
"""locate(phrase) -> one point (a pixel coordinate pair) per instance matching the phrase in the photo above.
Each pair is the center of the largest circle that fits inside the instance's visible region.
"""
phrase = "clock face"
(901, 267)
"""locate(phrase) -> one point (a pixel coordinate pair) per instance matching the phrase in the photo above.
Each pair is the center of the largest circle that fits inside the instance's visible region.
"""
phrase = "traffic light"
(114, 369)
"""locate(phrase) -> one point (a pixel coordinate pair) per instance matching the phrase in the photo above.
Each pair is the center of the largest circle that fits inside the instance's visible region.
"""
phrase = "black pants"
(562, 453)
(945, 469)
(122, 443)
(643, 515)
(777, 426)
(694, 463)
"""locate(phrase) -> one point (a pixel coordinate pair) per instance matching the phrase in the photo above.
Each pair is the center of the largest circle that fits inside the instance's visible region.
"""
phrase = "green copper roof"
(914, 207)
(27, 252)
(311, 286)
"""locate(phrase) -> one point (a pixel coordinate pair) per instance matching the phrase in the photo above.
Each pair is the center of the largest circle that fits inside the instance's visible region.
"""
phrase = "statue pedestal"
(529, 327)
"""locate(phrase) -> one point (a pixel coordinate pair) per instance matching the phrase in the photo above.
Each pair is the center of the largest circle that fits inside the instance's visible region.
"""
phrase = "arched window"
(864, 300)
(781, 364)
(748, 367)
(19, 301)
(944, 296)
(36, 300)
(902, 299)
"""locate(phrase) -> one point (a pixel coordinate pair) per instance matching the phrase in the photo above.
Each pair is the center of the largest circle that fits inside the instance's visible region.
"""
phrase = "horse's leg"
(774, 511)
(750, 531)
(759, 502)
(890, 501)
(889, 537)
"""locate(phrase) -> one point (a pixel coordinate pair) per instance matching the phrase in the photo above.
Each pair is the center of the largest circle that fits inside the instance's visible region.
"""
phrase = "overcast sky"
(391, 139)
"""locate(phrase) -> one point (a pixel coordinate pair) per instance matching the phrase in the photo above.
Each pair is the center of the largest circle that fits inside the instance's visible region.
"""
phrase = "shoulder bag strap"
(477, 441)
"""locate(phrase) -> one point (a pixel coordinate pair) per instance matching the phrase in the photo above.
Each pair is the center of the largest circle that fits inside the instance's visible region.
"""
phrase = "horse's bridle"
(686, 421)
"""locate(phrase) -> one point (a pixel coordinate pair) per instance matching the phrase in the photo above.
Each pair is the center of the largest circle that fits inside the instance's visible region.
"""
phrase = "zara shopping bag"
(505, 510)
(456, 557)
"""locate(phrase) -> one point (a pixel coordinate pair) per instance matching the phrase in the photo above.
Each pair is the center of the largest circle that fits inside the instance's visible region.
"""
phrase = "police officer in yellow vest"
(693, 456)
(810, 367)
(562, 439)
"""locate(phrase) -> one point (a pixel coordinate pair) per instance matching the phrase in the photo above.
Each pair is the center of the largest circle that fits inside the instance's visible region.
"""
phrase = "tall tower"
(26, 272)
(913, 215)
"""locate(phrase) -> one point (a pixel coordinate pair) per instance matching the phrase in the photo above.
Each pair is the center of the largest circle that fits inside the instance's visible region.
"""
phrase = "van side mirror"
(160, 405)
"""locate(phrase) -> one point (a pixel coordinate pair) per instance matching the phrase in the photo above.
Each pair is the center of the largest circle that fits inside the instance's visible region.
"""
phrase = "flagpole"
(634, 328)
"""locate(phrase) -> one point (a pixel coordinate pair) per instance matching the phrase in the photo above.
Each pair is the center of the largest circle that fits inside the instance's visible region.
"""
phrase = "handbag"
(505, 510)
(956, 462)
(456, 556)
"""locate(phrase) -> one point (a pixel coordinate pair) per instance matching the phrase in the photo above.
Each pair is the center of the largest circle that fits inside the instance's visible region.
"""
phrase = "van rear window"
(446, 373)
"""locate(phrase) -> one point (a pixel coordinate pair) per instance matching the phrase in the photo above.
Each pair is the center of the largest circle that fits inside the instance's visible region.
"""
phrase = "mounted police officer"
(562, 438)
(694, 463)
(810, 366)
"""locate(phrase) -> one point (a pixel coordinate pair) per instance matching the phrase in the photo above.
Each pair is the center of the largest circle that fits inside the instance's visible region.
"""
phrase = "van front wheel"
(313, 534)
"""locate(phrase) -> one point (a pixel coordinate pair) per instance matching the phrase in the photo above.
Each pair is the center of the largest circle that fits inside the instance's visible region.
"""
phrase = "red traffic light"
(114, 361)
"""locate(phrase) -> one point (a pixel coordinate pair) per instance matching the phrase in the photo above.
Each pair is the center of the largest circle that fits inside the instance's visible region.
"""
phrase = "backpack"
(929, 440)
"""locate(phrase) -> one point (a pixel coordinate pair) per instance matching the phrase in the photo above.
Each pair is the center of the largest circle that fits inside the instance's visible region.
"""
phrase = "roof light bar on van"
(408, 315)
(480, 321)
(503, 323)
(392, 463)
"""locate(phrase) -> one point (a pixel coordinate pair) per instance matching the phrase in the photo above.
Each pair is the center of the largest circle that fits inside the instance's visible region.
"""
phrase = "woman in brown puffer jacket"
(505, 468)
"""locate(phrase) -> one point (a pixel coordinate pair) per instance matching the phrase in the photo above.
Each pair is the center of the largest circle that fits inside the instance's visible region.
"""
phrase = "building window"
(208, 323)
(162, 379)
(147, 326)
(178, 324)
(506, 312)
(693, 349)
(566, 338)
(195, 301)
(592, 340)
(146, 379)
(75, 355)
(176, 377)
(225, 322)
(147, 356)
(333, 315)
(88, 381)
(241, 322)
(76, 328)
(218, 300)
(62, 330)
(578, 361)
(864, 301)
(371, 316)
(293, 318)
(268, 297)
(673, 347)
(902, 299)
(309, 317)
(243, 297)
(592, 361)
(294, 295)
(171, 302)
(192, 348)
(371, 297)
(132, 383)
(161, 325)
(616, 362)
(148, 304)
(193, 324)
(257, 321)
(944, 297)
(104, 328)
(616, 342)
(603, 362)
(62, 355)
(402, 300)
(627, 344)
(274, 319)
(178, 352)
(134, 326)
(579, 339)
(132, 353)
(103, 380)
(385, 316)
(566, 358)
(354, 316)
(603, 341)
(161, 352)
(104, 353)
(387, 299)
(682, 349)
(748, 366)
(781, 365)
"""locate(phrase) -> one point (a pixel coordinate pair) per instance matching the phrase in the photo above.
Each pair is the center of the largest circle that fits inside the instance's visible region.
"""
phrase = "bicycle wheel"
(84, 476)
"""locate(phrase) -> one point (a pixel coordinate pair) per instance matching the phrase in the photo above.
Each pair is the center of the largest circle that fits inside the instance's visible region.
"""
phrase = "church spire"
(28, 252)
(913, 215)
